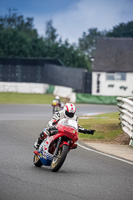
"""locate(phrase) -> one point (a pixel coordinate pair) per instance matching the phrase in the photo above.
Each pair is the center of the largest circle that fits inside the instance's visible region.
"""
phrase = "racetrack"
(84, 175)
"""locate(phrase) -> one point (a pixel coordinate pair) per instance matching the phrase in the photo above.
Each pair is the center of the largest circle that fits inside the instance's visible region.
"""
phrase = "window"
(116, 76)
(121, 76)
(110, 76)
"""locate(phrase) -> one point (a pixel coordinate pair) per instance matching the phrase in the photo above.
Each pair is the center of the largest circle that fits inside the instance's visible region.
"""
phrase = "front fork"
(58, 145)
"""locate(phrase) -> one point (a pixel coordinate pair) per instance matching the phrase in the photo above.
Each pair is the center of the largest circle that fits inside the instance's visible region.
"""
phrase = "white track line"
(131, 163)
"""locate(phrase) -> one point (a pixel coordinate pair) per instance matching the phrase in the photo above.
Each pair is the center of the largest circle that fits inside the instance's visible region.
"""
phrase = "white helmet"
(69, 110)
(57, 97)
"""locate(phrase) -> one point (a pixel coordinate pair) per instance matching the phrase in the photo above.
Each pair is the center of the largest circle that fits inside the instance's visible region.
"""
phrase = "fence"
(48, 71)
(126, 115)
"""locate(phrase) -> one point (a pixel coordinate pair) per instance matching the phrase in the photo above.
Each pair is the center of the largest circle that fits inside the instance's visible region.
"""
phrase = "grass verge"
(23, 98)
(106, 125)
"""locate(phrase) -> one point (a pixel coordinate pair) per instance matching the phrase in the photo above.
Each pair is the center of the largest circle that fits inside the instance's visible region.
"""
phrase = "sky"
(72, 17)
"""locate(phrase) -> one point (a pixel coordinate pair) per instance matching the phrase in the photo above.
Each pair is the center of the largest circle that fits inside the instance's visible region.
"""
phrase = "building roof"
(113, 55)
(31, 61)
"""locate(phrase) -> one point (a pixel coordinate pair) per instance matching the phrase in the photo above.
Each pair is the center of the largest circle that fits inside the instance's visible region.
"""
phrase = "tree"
(88, 40)
(16, 34)
(122, 30)
(73, 57)
(87, 43)
(13, 44)
(50, 33)
(18, 38)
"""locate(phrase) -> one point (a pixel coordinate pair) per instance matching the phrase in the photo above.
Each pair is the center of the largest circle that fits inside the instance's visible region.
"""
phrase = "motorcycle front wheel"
(36, 161)
(58, 160)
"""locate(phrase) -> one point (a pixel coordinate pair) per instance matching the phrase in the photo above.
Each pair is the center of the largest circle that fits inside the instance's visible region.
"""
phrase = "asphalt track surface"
(84, 175)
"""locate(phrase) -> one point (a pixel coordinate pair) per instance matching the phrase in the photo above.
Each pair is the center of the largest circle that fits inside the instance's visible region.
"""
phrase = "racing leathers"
(51, 125)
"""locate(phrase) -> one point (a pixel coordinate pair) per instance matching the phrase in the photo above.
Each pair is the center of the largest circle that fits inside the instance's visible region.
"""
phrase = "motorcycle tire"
(58, 161)
(56, 109)
(53, 110)
(36, 161)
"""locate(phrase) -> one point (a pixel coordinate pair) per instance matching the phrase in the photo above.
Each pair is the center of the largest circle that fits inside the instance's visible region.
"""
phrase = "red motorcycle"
(54, 149)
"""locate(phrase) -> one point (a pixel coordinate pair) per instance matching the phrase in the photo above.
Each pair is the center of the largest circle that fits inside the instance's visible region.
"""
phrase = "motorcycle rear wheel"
(36, 161)
(58, 161)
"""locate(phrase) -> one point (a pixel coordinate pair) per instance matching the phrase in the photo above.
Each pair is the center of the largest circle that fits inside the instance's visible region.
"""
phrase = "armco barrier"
(125, 105)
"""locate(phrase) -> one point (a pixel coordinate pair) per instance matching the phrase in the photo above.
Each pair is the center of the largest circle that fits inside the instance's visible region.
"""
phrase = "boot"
(40, 139)
(37, 143)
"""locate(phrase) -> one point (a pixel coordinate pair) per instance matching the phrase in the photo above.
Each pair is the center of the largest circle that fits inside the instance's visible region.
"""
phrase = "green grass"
(106, 125)
(22, 98)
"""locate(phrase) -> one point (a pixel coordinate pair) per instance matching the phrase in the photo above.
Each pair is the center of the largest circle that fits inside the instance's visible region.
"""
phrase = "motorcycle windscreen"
(69, 122)
(70, 128)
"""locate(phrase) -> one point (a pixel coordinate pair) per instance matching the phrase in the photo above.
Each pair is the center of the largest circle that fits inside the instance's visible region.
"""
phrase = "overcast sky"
(72, 17)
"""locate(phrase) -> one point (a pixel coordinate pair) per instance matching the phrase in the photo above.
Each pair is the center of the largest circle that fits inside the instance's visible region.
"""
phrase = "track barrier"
(125, 105)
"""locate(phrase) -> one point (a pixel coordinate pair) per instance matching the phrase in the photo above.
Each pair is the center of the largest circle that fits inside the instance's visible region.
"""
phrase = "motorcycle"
(56, 106)
(54, 149)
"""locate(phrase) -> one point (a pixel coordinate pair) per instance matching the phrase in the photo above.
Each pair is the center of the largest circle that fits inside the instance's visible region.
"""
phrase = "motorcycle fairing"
(45, 157)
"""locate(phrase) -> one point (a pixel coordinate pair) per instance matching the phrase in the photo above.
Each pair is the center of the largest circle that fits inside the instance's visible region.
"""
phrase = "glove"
(91, 132)
(53, 130)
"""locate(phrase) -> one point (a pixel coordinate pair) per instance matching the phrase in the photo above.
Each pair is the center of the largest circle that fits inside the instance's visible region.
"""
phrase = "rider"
(68, 112)
(57, 100)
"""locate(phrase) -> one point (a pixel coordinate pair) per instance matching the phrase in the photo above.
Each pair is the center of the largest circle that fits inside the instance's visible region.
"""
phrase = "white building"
(112, 72)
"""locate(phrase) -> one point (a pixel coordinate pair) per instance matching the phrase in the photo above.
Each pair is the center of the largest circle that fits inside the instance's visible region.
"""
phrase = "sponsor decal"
(40, 155)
